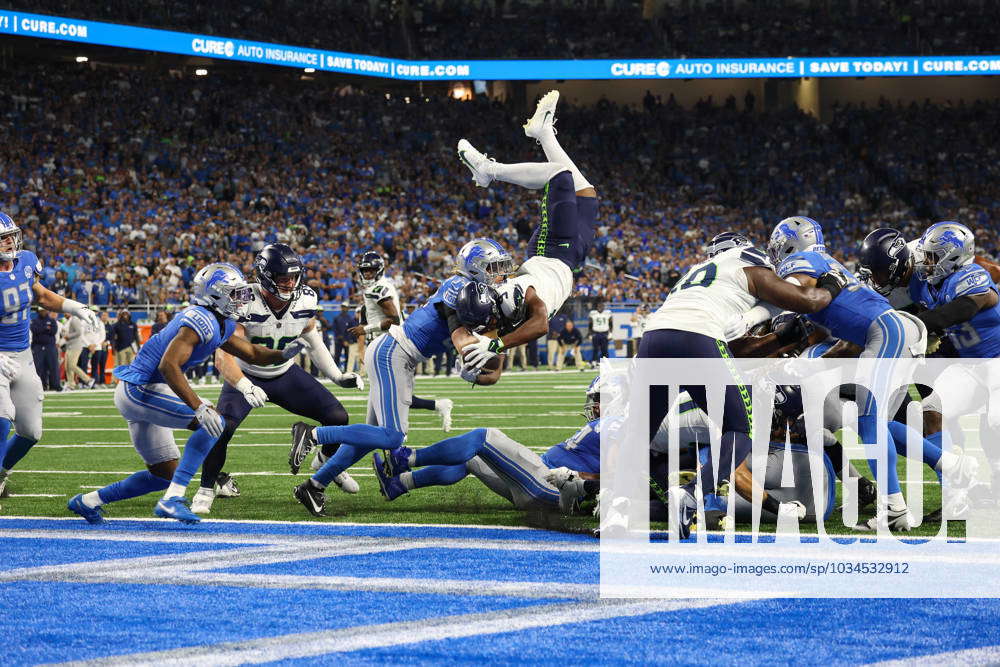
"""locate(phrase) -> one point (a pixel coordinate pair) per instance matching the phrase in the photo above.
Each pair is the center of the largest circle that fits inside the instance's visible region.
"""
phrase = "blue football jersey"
(980, 336)
(15, 288)
(581, 452)
(850, 314)
(144, 370)
(426, 326)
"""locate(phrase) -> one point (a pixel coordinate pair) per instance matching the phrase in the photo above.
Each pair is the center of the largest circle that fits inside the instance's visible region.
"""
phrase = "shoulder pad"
(308, 291)
(809, 263)
(972, 279)
(450, 288)
(754, 257)
(201, 321)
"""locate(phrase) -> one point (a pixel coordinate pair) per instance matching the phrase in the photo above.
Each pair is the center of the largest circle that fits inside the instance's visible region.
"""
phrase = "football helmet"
(484, 261)
(793, 235)
(370, 261)
(274, 261)
(11, 240)
(943, 249)
(510, 301)
(592, 405)
(726, 241)
(221, 287)
(883, 260)
(476, 306)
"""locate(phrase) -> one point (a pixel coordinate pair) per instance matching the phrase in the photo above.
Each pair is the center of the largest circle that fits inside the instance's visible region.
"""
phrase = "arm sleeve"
(321, 356)
(959, 310)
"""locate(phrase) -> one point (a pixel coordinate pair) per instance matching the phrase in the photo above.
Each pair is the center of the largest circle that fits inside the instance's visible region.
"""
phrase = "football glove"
(351, 381)
(476, 354)
(209, 419)
(833, 281)
(933, 343)
(254, 395)
(9, 368)
(298, 346)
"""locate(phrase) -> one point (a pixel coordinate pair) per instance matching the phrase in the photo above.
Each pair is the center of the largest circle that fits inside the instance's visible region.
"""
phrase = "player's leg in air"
(507, 467)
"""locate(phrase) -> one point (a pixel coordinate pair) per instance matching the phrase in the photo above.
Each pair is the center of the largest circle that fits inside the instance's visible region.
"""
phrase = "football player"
(280, 310)
(154, 396)
(382, 310)
(551, 481)
(599, 320)
(693, 323)
(559, 245)
(391, 360)
(20, 386)
(866, 326)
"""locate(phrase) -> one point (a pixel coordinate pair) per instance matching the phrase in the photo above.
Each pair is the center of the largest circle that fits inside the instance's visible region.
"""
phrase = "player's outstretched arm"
(49, 300)
(535, 325)
(765, 284)
(258, 355)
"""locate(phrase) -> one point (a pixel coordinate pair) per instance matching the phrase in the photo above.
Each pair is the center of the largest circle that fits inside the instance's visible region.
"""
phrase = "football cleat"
(4, 491)
(894, 518)
(443, 407)
(318, 460)
(225, 486)
(312, 497)
(544, 117)
(390, 486)
(683, 507)
(867, 493)
(397, 460)
(176, 507)
(346, 483)
(202, 501)
(615, 524)
(91, 514)
(303, 441)
(961, 473)
(477, 163)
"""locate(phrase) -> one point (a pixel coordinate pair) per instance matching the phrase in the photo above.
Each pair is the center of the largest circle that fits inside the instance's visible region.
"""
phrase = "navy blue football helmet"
(372, 263)
(274, 261)
(788, 401)
(477, 307)
(726, 241)
(883, 260)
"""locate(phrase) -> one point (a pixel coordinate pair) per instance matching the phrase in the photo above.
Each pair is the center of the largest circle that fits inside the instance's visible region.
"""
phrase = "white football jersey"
(710, 295)
(551, 278)
(600, 321)
(693, 426)
(380, 290)
(265, 328)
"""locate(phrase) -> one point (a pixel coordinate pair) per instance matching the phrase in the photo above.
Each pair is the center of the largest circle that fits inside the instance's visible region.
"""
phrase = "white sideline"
(985, 655)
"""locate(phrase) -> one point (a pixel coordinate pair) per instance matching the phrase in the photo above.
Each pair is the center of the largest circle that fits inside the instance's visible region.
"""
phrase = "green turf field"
(86, 446)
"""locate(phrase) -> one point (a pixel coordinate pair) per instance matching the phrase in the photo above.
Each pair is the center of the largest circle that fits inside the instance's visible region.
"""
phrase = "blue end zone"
(54, 622)
(17, 552)
(447, 563)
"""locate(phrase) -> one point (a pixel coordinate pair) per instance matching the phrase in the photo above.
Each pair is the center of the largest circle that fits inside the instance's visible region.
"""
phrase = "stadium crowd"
(570, 28)
(124, 206)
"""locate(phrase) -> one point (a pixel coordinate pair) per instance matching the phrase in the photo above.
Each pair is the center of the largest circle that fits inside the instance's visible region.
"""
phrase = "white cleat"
(962, 473)
(545, 116)
(443, 407)
(898, 519)
(202, 501)
(792, 508)
(318, 460)
(477, 163)
(346, 483)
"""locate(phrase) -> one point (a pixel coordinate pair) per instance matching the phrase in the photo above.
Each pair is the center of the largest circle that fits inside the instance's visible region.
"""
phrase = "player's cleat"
(544, 117)
(443, 407)
(961, 473)
(91, 514)
(202, 501)
(177, 508)
(397, 461)
(615, 524)
(684, 508)
(4, 491)
(312, 497)
(389, 486)
(225, 486)
(91, 384)
(346, 483)
(792, 508)
(867, 493)
(477, 163)
(303, 441)
(894, 518)
(318, 460)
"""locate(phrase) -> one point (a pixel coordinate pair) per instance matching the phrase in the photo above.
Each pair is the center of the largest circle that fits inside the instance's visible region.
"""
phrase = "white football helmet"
(9, 230)
(484, 261)
(222, 288)
(943, 249)
(793, 235)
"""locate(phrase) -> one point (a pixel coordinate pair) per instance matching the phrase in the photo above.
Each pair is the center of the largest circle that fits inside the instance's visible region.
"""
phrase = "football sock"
(531, 175)
(345, 457)
(423, 404)
(137, 484)
(17, 447)
(555, 153)
(359, 435)
(433, 476)
(214, 461)
(197, 447)
(5, 425)
(869, 436)
(931, 451)
(770, 504)
(451, 451)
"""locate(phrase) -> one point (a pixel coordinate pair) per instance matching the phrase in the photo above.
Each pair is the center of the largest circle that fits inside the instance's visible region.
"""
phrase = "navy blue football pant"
(294, 390)
(737, 419)
(600, 343)
(566, 230)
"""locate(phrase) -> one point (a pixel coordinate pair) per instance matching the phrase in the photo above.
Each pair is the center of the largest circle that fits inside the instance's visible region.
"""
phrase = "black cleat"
(867, 493)
(303, 441)
(312, 497)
